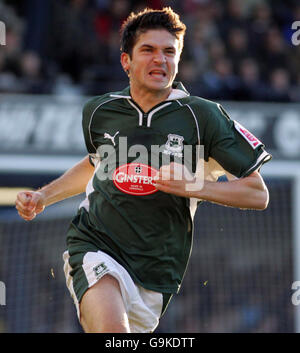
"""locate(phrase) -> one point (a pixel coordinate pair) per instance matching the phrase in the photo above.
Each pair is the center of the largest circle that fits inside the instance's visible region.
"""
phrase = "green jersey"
(147, 231)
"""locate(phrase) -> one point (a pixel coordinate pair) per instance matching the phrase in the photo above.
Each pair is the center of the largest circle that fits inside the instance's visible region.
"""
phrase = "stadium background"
(240, 53)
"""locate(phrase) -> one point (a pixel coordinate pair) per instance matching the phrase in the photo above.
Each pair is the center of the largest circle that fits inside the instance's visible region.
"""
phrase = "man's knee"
(103, 326)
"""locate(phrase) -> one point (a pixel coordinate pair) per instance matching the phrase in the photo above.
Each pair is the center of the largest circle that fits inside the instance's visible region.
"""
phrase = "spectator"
(220, 39)
(274, 52)
(9, 68)
(111, 19)
(237, 45)
(279, 86)
(251, 86)
(31, 74)
(221, 82)
(216, 50)
(233, 16)
(260, 21)
(295, 89)
(191, 77)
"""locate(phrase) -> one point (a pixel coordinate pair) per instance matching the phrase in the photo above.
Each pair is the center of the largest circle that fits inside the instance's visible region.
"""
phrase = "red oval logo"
(135, 179)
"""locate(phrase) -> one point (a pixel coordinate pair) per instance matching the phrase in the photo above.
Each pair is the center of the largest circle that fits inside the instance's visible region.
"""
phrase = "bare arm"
(71, 183)
(248, 193)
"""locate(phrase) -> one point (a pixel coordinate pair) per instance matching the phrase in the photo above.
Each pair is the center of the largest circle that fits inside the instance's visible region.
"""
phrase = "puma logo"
(112, 138)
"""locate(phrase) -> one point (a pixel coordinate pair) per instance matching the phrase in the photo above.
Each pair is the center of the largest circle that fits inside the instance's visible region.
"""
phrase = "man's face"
(154, 61)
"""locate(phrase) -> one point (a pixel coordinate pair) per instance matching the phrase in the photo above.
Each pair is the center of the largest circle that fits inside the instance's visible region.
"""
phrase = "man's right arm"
(71, 183)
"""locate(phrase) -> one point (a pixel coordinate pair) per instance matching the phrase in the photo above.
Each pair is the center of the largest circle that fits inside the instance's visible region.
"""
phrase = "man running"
(129, 244)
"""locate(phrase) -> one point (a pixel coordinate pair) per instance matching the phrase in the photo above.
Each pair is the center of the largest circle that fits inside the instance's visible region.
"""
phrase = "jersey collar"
(178, 91)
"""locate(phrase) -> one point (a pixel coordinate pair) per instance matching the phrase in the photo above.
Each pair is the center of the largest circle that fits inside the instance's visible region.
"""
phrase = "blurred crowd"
(234, 49)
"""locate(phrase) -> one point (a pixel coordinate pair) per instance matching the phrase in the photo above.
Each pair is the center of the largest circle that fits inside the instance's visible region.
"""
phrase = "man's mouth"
(157, 73)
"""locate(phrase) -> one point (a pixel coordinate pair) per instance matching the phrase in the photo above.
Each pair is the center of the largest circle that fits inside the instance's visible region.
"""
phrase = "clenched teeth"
(156, 72)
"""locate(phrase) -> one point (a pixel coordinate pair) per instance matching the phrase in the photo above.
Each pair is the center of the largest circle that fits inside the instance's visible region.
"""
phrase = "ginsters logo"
(135, 179)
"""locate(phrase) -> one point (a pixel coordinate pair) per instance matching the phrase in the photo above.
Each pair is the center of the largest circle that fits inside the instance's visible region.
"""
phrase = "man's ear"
(125, 62)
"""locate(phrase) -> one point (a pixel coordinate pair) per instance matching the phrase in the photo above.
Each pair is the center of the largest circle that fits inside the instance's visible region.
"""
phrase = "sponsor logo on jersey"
(250, 138)
(135, 179)
(174, 145)
(112, 138)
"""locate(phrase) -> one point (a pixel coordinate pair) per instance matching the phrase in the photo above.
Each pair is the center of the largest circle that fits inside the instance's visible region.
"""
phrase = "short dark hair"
(148, 19)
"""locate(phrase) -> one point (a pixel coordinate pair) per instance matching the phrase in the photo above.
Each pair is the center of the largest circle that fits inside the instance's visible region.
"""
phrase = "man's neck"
(147, 100)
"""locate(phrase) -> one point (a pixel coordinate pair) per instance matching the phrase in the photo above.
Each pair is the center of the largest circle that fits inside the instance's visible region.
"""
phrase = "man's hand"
(71, 183)
(29, 204)
(176, 179)
(247, 193)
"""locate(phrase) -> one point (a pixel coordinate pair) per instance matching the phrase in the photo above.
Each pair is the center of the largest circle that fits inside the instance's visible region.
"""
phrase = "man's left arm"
(249, 192)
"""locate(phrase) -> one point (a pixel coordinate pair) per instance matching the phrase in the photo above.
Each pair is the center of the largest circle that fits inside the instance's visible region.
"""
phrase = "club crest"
(100, 270)
(174, 145)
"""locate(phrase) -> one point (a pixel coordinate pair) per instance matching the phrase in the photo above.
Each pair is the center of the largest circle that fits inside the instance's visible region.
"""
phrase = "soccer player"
(129, 244)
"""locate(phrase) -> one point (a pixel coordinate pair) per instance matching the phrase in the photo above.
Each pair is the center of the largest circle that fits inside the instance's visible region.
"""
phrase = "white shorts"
(143, 306)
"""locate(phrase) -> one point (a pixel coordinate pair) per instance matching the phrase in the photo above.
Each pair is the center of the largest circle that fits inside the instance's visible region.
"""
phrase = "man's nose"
(159, 57)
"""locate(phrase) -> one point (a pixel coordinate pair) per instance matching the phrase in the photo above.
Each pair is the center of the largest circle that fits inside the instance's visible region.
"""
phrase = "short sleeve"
(236, 149)
(87, 115)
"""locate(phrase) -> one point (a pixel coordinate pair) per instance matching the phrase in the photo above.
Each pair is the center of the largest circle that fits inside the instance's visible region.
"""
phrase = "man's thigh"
(85, 270)
(102, 308)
